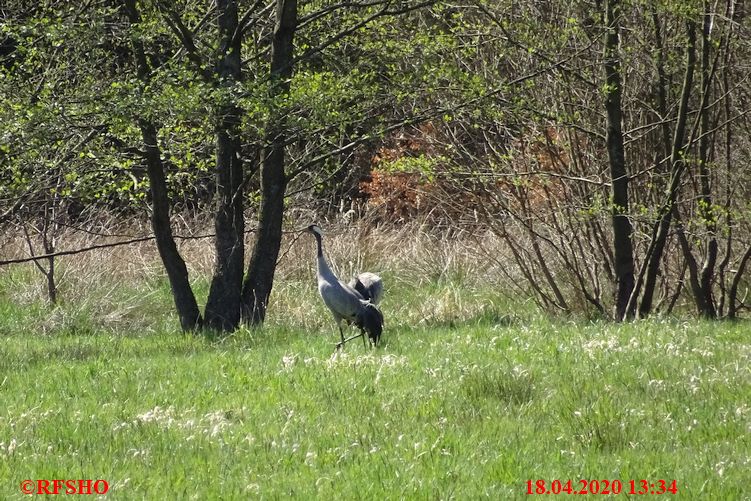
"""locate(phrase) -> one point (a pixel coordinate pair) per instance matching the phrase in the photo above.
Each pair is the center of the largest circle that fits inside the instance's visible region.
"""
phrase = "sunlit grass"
(437, 412)
(471, 394)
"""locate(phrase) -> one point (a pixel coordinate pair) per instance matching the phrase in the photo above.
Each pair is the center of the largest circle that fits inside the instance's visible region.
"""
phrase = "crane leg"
(341, 333)
(339, 345)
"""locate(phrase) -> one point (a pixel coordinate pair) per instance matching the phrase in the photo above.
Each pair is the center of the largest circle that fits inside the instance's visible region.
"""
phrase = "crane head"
(370, 320)
(314, 229)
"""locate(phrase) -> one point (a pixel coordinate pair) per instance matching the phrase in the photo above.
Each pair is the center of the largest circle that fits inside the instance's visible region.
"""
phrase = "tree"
(623, 249)
(223, 305)
(260, 277)
(127, 108)
(174, 265)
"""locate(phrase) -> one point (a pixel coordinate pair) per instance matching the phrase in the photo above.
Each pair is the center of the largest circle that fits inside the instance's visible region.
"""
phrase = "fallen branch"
(115, 244)
(76, 251)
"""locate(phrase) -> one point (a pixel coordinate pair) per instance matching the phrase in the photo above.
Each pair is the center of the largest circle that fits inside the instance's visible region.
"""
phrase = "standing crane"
(354, 302)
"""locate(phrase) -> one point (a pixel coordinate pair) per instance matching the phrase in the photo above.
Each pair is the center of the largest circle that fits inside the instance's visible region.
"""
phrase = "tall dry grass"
(430, 277)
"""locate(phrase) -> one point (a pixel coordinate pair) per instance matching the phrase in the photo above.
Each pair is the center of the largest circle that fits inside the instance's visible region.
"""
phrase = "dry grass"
(431, 278)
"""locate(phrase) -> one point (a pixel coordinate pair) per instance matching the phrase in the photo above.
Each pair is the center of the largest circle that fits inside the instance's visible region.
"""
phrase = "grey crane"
(354, 302)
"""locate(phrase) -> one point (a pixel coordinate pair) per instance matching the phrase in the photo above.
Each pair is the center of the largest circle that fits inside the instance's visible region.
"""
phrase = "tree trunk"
(693, 269)
(49, 231)
(729, 189)
(662, 95)
(174, 265)
(733, 294)
(260, 278)
(662, 225)
(706, 303)
(177, 272)
(223, 304)
(624, 252)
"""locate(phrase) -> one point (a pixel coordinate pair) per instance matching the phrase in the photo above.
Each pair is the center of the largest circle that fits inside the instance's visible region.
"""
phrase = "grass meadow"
(472, 393)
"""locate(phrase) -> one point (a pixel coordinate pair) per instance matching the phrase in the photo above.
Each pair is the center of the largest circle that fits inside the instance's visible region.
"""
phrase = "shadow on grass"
(602, 432)
(47, 350)
(504, 385)
(248, 338)
(487, 318)
(596, 421)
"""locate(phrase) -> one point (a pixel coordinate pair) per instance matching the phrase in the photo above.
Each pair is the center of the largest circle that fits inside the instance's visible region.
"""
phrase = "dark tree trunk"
(177, 272)
(662, 226)
(729, 188)
(623, 248)
(662, 96)
(700, 281)
(706, 305)
(49, 230)
(733, 294)
(223, 304)
(260, 277)
(693, 268)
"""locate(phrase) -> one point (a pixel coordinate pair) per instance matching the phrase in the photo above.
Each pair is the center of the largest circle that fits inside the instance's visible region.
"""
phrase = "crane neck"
(319, 244)
(324, 272)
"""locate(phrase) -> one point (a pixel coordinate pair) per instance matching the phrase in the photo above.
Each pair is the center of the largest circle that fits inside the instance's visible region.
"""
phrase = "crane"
(369, 285)
(354, 302)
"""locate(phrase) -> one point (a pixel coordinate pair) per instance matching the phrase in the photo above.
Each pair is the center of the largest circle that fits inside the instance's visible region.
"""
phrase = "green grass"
(471, 395)
(466, 411)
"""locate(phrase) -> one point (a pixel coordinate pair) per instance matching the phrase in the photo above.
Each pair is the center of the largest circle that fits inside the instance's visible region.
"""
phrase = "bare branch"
(186, 37)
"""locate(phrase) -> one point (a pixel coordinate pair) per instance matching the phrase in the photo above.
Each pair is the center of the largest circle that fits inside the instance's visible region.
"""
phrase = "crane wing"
(369, 286)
